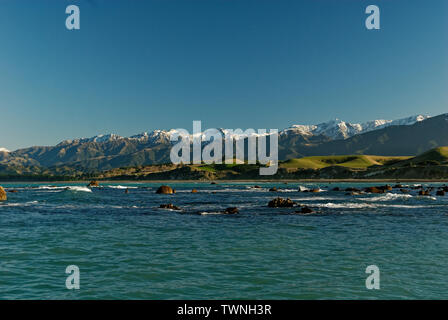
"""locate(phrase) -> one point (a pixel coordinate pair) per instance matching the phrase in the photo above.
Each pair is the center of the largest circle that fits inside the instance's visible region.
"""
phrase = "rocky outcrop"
(169, 206)
(231, 210)
(424, 193)
(3, 196)
(165, 190)
(281, 203)
(194, 191)
(273, 189)
(93, 183)
(440, 193)
(374, 190)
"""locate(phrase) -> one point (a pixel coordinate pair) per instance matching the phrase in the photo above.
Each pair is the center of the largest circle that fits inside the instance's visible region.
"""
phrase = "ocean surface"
(128, 248)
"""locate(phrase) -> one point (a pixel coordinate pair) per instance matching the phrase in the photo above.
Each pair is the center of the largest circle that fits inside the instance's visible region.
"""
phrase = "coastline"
(329, 181)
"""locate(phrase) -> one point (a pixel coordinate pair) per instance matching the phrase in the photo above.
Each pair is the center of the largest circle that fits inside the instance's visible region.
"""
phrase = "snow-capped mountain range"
(4, 150)
(334, 130)
(338, 129)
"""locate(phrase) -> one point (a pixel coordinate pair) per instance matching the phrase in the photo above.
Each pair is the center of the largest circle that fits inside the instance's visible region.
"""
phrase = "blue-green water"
(128, 248)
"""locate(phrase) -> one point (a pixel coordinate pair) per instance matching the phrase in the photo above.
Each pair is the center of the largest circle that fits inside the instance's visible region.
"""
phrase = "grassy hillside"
(350, 161)
(432, 164)
(437, 156)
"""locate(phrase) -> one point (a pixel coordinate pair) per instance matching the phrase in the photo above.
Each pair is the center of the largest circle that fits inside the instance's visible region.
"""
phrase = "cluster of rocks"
(288, 203)
(281, 203)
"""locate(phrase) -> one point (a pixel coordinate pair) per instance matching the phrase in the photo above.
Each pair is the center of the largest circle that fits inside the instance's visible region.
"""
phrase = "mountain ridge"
(106, 152)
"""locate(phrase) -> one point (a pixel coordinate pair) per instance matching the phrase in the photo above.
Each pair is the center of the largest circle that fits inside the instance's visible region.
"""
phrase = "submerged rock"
(3, 196)
(194, 191)
(165, 190)
(256, 187)
(13, 191)
(169, 206)
(231, 210)
(273, 189)
(440, 193)
(305, 210)
(404, 190)
(336, 189)
(281, 203)
(424, 193)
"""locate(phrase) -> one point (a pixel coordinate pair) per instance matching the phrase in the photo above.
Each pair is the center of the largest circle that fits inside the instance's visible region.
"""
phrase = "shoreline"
(329, 181)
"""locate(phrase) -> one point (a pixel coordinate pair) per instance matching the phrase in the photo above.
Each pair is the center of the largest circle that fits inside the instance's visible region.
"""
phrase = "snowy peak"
(4, 150)
(338, 129)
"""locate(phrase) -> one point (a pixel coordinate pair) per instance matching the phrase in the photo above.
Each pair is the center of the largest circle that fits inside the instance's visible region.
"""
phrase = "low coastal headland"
(429, 166)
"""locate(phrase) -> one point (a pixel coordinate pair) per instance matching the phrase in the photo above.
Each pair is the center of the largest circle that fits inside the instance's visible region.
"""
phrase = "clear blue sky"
(140, 65)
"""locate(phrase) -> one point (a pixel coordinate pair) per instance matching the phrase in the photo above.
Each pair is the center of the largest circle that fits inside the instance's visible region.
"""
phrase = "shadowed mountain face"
(107, 152)
(391, 141)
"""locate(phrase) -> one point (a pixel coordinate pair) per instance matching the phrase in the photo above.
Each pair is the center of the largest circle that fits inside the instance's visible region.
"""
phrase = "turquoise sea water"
(128, 248)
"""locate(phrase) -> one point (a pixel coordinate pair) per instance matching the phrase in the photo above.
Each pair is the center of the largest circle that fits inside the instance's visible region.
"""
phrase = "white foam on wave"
(210, 213)
(345, 205)
(19, 204)
(387, 197)
(121, 187)
(71, 188)
(80, 189)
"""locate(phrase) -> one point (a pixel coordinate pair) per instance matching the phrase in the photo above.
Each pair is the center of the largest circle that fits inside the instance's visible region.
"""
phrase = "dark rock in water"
(93, 183)
(257, 187)
(387, 188)
(13, 191)
(273, 189)
(353, 193)
(194, 191)
(374, 190)
(305, 210)
(336, 189)
(424, 193)
(281, 203)
(404, 190)
(165, 190)
(315, 190)
(214, 192)
(126, 191)
(231, 210)
(398, 186)
(445, 189)
(352, 190)
(212, 182)
(440, 193)
(3, 196)
(169, 206)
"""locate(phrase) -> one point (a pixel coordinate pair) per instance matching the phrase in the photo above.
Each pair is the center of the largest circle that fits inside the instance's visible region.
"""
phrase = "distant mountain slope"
(409, 136)
(390, 141)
